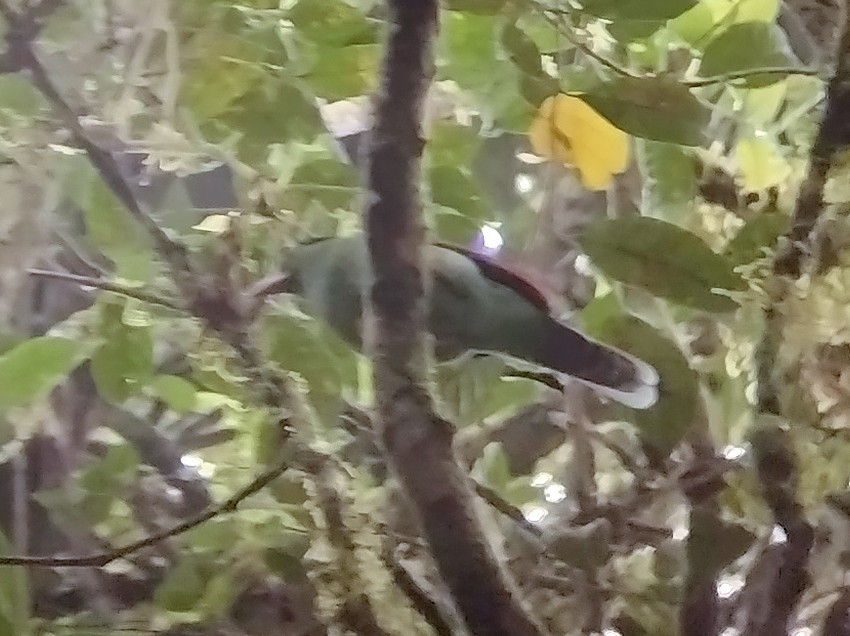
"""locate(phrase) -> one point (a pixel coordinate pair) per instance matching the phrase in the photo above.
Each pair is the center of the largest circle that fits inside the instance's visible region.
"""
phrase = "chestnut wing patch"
(504, 276)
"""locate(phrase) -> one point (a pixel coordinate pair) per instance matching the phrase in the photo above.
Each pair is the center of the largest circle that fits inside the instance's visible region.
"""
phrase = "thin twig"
(88, 281)
(422, 601)
(701, 82)
(506, 508)
(99, 560)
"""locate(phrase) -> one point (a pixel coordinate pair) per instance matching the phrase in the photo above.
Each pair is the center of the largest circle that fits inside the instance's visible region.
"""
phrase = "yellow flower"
(568, 130)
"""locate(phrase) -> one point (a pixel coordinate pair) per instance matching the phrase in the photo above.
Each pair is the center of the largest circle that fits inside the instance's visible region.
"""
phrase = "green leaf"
(478, 387)
(106, 481)
(345, 72)
(487, 7)
(326, 182)
(219, 594)
(452, 144)
(29, 370)
(18, 96)
(467, 48)
(649, 10)
(274, 111)
(713, 544)
(521, 49)
(332, 23)
(290, 567)
(743, 47)
(655, 108)
(493, 467)
(124, 362)
(14, 595)
(469, 54)
(663, 259)
(669, 183)
(696, 25)
(216, 536)
(759, 233)
(634, 19)
(179, 394)
(452, 188)
(118, 235)
(227, 67)
(664, 425)
(113, 472)
(626, 31)
(495, 167)
(310, 349)
(182, 588)
(452, 226)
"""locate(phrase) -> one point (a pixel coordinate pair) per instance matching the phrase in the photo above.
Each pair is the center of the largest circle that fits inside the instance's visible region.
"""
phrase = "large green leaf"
(17, 95)
(469, 54)
(308, 348)
(663, 259)
(227, 67)
(664, 425)
(326, 182)
(183, 587)
(118, 235)
(648, 10)
(656, 108)
(274, 111)
(124, 362)
(713, 544)
(669, 183)
(345, 72)
(467, 49)
(521, 49)
(30, 369)
(178, 393)
(635, 19)
(743, 47)
(106, 481)
(759, 233)
(452, 187)
(332, 23)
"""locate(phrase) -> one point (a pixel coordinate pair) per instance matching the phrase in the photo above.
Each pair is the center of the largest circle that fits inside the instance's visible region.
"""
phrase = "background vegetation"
(159, 158)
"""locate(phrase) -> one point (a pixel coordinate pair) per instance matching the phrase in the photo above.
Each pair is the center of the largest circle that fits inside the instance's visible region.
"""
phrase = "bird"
(474, 305)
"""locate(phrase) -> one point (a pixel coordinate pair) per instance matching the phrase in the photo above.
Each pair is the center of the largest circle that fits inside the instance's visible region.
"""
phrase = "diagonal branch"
(99, 560)
(105, 285)
(417, 440)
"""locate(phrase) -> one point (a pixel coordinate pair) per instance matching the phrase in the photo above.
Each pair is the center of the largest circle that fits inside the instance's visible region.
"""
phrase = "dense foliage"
(675, 174)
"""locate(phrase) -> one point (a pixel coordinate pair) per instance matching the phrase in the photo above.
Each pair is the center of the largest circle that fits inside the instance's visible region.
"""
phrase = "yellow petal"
(568, 130)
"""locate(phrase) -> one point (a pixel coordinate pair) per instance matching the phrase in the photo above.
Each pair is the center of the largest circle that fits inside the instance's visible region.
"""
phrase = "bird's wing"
(502, 275)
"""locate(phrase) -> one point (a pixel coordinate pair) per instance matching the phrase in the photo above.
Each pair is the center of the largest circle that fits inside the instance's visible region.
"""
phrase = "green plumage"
(469, 309)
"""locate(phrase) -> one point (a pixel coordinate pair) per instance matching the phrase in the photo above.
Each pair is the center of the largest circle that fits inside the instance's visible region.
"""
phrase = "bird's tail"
(609, 371)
